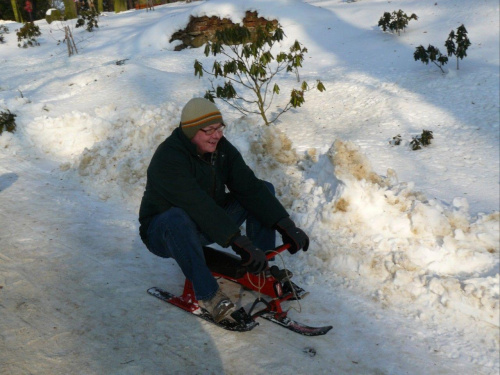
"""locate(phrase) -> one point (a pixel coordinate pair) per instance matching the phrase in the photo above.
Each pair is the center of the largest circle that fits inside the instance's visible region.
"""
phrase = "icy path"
(73, 280)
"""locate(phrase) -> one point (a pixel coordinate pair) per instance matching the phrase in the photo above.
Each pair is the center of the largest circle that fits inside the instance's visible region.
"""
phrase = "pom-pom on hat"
(197, 114)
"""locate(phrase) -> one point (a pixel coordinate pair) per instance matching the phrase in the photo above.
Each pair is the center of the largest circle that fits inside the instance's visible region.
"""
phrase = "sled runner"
(274, 284)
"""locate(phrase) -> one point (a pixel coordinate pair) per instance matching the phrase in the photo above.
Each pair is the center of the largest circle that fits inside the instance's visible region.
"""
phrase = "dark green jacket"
(178, 177)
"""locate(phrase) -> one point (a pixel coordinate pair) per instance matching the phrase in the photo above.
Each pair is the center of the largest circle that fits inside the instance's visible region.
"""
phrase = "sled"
(274, 286)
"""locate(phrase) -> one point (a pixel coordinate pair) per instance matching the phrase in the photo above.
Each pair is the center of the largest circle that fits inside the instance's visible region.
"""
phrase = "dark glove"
(252, 257)
(292, 235)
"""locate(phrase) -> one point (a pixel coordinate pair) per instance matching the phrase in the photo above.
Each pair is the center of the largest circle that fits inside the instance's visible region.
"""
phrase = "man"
(199, 191)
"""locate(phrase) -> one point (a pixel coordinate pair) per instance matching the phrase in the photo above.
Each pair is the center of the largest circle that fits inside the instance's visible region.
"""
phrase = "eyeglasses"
(211, 131)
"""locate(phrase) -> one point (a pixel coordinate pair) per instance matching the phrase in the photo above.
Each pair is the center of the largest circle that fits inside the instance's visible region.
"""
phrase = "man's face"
(206, 139)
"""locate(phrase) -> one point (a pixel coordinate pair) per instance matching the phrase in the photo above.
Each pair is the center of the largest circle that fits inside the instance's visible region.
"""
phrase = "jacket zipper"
(211, 163)
(214, 175)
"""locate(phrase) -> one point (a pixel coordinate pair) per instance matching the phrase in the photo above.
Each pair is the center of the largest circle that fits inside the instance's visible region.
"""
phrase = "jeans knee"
(178, 217)
(171, 223)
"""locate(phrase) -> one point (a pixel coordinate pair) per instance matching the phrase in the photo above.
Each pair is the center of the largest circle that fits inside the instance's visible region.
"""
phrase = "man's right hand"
(252, 257)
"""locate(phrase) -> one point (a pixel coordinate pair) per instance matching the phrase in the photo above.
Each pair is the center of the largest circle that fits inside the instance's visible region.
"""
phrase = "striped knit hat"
(197, 114)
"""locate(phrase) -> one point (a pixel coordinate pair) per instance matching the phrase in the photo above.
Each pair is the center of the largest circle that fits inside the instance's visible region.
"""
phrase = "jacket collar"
(185, 141)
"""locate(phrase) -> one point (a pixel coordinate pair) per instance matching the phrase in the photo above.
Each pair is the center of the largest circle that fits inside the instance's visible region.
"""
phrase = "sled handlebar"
(272, 253)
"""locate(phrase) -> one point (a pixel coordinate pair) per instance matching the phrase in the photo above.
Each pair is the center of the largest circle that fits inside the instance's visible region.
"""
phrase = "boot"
(219, 306)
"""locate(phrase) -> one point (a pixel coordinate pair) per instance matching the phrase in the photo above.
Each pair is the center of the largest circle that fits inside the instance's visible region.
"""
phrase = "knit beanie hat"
(197, 114)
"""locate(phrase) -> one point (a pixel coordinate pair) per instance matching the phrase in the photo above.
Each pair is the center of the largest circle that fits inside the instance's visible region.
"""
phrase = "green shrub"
(3, 30)
(423, 140)
(249, 64)
(396, 21)
(27, 34)
(417, 142)
(396, 140)
(89, 17)
(430, 54)
(7, 121)
(456, 44)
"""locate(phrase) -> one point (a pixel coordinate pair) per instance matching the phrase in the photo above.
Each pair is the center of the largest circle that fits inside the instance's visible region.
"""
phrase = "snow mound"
(403, 247)
(118, 162)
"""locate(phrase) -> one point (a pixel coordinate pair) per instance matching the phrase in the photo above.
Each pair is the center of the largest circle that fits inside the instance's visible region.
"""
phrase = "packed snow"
(404, 255)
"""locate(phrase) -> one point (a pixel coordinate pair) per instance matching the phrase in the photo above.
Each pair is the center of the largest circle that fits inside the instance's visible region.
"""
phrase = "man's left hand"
(292, 235)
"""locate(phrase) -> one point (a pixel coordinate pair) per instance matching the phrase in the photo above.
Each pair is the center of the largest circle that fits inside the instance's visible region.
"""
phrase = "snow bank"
(407, 247)
(119, 160)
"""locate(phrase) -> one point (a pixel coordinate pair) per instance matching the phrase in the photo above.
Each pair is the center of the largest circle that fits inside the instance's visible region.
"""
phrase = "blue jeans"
(173, 234)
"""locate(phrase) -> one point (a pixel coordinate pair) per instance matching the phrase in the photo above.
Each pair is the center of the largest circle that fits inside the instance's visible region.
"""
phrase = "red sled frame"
(227, 266)
(266, 285)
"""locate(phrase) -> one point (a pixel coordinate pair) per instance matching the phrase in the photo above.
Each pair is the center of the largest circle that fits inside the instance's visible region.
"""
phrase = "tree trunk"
(69, 9)
(120, 6)
(100, 7)
(17, 12)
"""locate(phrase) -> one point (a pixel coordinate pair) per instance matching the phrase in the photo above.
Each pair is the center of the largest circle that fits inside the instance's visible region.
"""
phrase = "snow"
(404, 256)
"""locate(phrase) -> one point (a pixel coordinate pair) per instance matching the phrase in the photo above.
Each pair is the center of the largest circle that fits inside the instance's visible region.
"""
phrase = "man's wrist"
(233, 238)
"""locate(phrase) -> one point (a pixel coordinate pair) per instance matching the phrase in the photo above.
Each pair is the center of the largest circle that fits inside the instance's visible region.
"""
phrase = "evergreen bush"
(250, 65)
(89, 17)
(27, 35)
(457, 43)
(3, 30)
(417, 142)
(430, 54)
(396, 21)
(396, 140)
(7, 121)
(423, 140)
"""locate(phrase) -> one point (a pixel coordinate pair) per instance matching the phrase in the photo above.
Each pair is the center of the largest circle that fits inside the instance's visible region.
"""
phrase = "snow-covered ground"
(404, 260)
